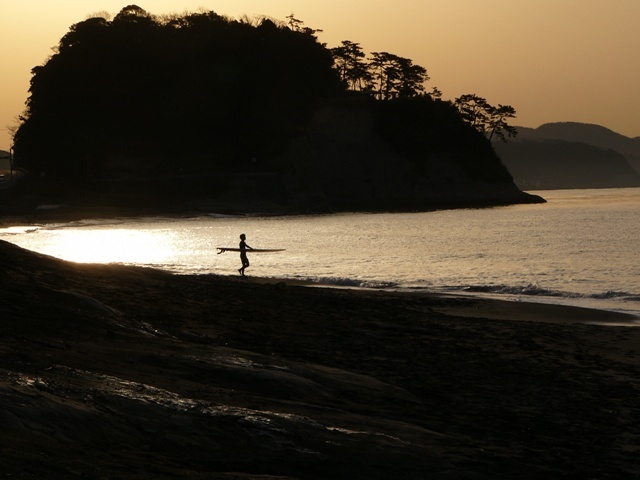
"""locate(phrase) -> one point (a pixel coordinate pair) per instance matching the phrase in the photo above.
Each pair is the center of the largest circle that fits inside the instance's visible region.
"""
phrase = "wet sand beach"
(123, 372)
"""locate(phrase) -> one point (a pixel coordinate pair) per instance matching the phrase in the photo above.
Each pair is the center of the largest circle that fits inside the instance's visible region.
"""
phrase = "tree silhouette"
(298, 26)
(192, 86)
(394, 76)
(353, 70)
(498, 122)
(486, 118)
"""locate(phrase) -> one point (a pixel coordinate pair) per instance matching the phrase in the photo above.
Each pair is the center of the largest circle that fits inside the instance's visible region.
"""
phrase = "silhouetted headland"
(201, 112)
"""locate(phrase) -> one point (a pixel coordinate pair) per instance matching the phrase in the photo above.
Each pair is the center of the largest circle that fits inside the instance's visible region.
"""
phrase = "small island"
(202, 112)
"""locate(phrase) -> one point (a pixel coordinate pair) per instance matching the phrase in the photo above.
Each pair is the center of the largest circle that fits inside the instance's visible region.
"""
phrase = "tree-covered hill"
(197, 84)
(202, 100)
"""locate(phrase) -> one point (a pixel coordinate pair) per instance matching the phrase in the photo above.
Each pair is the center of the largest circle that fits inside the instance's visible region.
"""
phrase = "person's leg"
(245, 264)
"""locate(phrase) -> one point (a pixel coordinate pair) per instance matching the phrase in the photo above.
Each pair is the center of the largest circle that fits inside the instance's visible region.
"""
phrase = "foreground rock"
(116, 372)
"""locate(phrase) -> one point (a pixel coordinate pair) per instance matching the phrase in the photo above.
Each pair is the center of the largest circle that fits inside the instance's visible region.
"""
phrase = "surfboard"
(255, 250)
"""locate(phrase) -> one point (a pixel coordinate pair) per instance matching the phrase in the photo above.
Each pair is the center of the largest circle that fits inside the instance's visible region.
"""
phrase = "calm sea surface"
(581, 248)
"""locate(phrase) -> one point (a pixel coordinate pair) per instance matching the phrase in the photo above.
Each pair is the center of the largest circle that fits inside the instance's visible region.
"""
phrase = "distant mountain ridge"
(571, 155)
(5, 160)
(588, 133)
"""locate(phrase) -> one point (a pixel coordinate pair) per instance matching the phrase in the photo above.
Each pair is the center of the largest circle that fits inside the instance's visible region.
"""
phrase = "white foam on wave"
(623, 302)
(18, 230)
(537, 291)
(347, 282)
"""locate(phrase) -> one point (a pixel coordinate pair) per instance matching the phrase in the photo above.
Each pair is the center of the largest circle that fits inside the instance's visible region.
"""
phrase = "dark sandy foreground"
(110, 372)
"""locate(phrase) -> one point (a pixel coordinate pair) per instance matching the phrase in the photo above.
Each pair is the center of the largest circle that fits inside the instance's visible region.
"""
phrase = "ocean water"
(581, 248)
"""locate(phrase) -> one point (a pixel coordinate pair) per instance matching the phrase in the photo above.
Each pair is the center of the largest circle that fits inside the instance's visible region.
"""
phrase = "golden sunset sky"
(552, 60)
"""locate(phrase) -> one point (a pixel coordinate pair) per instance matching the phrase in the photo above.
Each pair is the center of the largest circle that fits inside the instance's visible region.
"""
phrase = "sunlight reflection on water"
(582, 246)
(107, 246)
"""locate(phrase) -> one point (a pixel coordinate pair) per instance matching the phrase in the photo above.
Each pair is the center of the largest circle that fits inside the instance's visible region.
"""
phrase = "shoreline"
(73, 214)
(491, 308)
(608, 316)
(55, 211)
(106, 369)
(541, 311)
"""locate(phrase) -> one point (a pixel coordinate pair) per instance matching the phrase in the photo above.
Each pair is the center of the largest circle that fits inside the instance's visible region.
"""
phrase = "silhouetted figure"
(243, 254)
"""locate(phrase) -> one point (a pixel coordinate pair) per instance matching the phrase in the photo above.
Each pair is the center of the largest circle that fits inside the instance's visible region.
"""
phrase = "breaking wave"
(536, 291)
(18, 230)
(348, 282)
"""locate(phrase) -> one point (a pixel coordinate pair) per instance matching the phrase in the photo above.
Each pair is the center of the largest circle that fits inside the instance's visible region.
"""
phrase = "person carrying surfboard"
(243, 253)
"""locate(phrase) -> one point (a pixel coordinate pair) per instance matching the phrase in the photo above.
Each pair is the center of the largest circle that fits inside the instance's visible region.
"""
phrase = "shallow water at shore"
(580, 248)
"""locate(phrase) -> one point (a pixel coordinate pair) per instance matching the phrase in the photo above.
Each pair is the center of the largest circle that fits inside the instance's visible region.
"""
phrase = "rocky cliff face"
(343, 162)
(351, 156)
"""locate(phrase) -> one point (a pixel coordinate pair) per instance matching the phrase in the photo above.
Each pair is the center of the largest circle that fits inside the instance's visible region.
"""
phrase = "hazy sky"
(552, 60)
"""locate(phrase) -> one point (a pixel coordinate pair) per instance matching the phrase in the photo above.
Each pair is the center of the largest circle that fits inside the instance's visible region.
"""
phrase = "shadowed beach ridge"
(109, 371)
